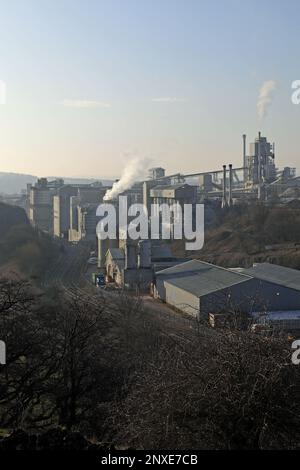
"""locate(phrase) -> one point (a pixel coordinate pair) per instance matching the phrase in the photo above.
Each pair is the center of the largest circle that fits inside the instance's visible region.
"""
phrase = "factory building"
(200, 288)
(261, 177)
(176, 195)
(40, 207)
(286, 186)
(275, 274)
(205, 183)
(83, 221)
(260, 163)
(147, 186)
(130, 266)
(162, 257)
(61, 210)
(87, 221)
(115, 265)
(82, 210)
(280, 276)
(103, 247)
(157, 172)
(134, 194)
(173, 194)
(257, 178)
(91, 193)
(131, 263)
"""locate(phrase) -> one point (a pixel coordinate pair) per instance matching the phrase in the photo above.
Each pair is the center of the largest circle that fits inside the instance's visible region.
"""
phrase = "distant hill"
(68, 180)
(14, 183)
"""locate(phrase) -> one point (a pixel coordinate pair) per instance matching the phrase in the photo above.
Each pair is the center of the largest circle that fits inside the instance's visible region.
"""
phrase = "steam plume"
(135, 170)
(265, 98)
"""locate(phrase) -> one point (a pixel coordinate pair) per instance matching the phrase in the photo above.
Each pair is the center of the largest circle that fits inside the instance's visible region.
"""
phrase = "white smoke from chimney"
(265, 98)
(135, 170)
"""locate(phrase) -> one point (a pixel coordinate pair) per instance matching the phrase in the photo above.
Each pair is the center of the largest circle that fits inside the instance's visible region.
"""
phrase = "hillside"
(22, 249)
(14, 183)
(243, 235)
(11, 216)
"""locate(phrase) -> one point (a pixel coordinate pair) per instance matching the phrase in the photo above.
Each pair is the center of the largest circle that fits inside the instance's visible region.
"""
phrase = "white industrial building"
(40, 203)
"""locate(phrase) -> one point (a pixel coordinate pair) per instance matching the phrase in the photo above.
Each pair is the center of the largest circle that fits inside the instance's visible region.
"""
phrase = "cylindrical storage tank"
(144, 259)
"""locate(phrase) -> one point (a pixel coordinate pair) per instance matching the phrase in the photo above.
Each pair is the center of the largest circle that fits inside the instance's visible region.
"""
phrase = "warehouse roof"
(201, 278)
(281, 275)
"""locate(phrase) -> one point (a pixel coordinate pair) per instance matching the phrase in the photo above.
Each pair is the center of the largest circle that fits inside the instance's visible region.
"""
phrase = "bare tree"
(229, 390)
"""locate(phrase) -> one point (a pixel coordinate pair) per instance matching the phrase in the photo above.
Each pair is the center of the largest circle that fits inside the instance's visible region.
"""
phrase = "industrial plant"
(149, 229)
(69, 213)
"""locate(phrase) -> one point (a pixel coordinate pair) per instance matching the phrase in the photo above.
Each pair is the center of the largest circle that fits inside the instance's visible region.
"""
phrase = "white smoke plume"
(135, 170)
(265, 98)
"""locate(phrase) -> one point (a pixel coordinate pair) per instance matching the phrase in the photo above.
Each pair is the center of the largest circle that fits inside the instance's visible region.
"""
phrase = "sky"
(89, 84)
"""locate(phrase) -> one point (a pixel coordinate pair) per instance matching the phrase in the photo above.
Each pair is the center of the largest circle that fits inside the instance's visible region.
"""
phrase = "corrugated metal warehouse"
(197, 287)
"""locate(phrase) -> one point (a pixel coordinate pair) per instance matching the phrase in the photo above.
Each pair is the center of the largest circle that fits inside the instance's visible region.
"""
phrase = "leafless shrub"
(233, 390)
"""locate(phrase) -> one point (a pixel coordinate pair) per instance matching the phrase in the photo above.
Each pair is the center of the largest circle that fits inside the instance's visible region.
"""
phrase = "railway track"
(68, 268)
(68, 276)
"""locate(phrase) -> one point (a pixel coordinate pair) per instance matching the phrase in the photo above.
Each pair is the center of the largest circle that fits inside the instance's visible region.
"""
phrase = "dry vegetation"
(242, 235)
(105, 369)
(23, 249)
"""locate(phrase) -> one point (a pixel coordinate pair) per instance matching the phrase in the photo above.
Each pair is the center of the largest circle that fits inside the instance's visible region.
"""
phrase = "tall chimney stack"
(259, 170)
(230, 185)
(224, 198)
(244, 157)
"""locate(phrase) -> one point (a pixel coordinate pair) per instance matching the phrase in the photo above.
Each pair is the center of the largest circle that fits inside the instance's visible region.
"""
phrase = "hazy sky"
(91, 82)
